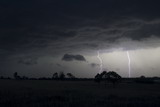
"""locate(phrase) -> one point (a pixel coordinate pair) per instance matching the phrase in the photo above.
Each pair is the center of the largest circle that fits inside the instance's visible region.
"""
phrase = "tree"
(55, 76)
(61, 76)
(25, 78)
(142, 77)
(16, 76)
(112, 77)
(97, 78)
(71, 76)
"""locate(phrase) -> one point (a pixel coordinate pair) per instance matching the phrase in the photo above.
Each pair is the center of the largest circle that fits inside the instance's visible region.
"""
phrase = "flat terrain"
(48, 93)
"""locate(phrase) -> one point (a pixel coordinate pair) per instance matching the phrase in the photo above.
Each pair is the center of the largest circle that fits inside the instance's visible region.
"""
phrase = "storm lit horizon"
(39, 38)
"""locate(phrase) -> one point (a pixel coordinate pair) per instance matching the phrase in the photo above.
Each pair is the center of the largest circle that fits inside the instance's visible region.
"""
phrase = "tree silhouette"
(103, 74)
(142, 77)
(71, 76)
(112, 77)
(55, 76)
(97, 78)
(16, 76)
(61, 76)
(25, 78)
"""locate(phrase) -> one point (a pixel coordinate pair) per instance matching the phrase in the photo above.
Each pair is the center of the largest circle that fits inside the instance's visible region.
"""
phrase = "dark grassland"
(49, 93)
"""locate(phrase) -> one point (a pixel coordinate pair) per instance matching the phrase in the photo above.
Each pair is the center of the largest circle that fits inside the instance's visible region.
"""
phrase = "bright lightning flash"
(101, 62)
(129, 64)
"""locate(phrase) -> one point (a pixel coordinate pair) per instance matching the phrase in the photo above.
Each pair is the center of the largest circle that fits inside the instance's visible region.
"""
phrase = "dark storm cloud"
(52, 27)
(28, 61)
(69, 57)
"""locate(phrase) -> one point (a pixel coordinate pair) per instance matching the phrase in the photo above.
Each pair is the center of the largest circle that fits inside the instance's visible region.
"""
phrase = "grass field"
(48, 93)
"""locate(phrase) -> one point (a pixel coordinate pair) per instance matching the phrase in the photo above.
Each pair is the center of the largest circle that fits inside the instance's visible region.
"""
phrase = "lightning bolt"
(129, 64)
(101, 62)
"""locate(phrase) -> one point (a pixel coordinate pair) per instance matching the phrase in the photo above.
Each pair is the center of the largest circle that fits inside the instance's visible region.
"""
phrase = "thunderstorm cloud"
(69, 57)
(46, 30)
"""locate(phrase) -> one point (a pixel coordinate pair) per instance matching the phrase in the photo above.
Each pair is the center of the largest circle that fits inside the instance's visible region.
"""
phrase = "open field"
(49, 93)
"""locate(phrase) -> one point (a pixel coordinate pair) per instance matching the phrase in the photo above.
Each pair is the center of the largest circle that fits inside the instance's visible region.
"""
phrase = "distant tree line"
(55, 76)
(107, 77)
(2, 77)
(17, 77)
(62, 76)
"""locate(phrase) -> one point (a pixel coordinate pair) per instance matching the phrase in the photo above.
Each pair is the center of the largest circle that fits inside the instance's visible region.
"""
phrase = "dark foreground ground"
(46, 93)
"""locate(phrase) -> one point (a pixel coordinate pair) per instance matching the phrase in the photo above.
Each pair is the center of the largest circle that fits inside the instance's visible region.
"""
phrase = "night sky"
(40, 37)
